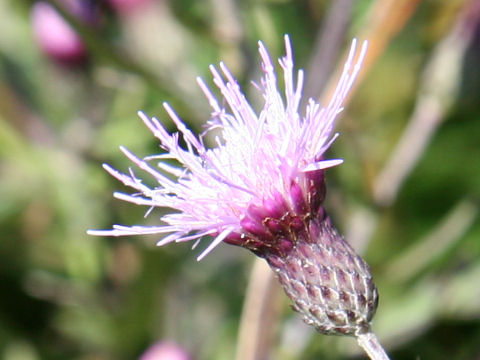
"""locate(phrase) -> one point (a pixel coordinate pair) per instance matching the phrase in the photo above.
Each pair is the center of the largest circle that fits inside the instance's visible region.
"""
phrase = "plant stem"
(259, 314)
(369, 342)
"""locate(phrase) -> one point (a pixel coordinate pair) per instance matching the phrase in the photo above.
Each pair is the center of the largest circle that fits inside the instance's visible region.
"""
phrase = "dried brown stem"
(385, 20)
(327, 46)
(255, 333)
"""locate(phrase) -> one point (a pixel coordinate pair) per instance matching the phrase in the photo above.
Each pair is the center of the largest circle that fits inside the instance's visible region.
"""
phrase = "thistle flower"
(262, 187)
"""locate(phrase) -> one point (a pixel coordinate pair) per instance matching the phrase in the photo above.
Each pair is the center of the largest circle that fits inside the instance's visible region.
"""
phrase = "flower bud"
(165, 350)
(125, 7)
(329, 284)
(54, 35)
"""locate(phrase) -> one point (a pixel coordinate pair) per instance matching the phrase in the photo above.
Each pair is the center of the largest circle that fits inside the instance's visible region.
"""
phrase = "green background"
(67, 295)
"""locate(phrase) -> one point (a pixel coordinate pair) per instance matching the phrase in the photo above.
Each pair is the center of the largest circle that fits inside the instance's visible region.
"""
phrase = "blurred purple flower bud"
(125, 7)
(165, 350)
(54, 35)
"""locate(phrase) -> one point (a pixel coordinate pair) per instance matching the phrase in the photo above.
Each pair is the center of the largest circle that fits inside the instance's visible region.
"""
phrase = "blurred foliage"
(65, 295)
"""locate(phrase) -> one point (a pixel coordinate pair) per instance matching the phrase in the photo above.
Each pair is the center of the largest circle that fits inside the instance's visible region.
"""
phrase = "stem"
(369, 342)
(259, 314)
(327, 47)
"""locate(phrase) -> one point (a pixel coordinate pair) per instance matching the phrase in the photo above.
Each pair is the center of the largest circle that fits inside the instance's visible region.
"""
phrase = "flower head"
(264, 166)
(262, 187)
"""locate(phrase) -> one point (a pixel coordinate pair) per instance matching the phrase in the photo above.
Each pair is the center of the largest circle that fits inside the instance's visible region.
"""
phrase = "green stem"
(369, 342)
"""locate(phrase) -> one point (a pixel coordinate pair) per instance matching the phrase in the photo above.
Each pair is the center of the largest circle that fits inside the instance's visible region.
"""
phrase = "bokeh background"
(407, 196)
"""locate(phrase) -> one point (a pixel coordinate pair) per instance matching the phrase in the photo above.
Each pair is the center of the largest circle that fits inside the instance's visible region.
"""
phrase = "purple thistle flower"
(261, 162)
(262, 187)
